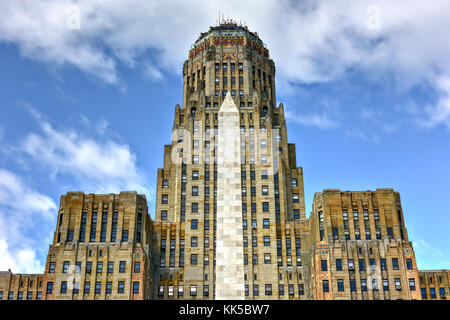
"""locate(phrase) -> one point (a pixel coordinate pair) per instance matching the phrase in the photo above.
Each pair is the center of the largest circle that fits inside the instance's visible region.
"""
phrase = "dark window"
(193, 259)
(110, 266)
(194, 224)
(296, 214)
(340, 284)
(65, 267)
(338, 264)
(265, 206)
(114, 227)
(383, 264)
(352, 285)
(122, 266)
(409, 264)
(395, 263)
(121, 287)
(163, 214)
(98, 287)
(325, 285)
(63, 287)
(362, 265)
(108, 287)
(324, 266)
(124, 235)
(137, 266)
(93, 226)
(135, 287)
(99, 266)
(89, 267)
(51, 267)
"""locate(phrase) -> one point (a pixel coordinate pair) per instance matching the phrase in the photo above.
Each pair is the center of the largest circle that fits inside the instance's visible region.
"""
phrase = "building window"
(98, 287)
(265, 190)
(255, 259)
(163, 214)
(88, 266)
(295, 197)
(136, 287)
(65, 266)
(294, 182)
(165, 199)
(114, 227)
(108, 287)
(395, 263)
(267, 259)
(110, 266)
(433, 293)
(87, 287)
(412, 284)
(338, 264)
(194, 193)
(93, 226)
(194, 242)
(325, 286)
(122, 265)
(268, 288)
(383, 264)
(193, 259)
(265, 206)
(99, 266)
(409, 264)
(124, 235)
(340, 284)
(398, 285)
(137, 266)
(385, 284)
(29, 295)
(70, 235)
(296, 214)
(363, 285)
(267, 241)
(324, 266)
(193, 290)
(63, 287)
(362, 265)
(121, 287)
(390, 232)
(423, 291)
(194, 224)
(255, 290)
(266, 223)
(51, 267)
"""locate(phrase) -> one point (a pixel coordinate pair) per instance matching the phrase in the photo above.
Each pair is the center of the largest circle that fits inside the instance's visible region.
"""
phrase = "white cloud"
(97, 166)
(20, 261)
(310, 41)
(322, 120)
(21, 209)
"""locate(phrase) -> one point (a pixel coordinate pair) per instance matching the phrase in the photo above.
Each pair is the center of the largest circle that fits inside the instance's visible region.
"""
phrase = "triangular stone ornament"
(228, 104)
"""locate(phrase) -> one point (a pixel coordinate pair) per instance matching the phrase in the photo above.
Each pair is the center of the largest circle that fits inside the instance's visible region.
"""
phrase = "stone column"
(229, 236)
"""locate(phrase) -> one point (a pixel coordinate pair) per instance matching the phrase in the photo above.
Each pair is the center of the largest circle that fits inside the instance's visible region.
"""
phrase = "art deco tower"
(197, 201)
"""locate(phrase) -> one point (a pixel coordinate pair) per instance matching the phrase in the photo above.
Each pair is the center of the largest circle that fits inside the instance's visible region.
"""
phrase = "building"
(434, 284)
(101, 248)
(230, 217)
(230, 59)
(360, 247)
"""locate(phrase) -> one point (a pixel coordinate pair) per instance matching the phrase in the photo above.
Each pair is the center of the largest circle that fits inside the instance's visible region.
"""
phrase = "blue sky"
(88, 91)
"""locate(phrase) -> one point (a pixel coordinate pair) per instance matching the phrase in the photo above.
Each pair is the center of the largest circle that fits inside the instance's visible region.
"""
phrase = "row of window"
(362, 264)
(99, 269)
(20, 296)
(433, 293)
(97, 288)
(364, 285)
(104, 221)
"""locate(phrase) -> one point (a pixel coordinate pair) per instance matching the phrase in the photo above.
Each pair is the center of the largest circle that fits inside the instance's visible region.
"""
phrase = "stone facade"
(230, 217)
(100, 249)
(360, 247)
(434, 284)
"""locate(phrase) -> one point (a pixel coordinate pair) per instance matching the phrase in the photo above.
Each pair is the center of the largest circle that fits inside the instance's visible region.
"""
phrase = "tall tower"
(229, 86)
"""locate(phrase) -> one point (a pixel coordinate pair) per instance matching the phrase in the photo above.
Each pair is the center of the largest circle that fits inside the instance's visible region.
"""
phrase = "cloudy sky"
(88, 89)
